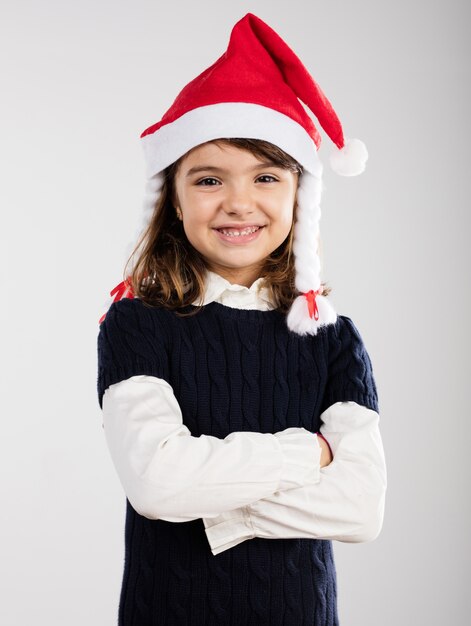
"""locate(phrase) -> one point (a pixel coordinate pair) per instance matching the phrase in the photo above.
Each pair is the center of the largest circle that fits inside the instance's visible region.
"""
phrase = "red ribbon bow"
(311, 301)
(123, 290)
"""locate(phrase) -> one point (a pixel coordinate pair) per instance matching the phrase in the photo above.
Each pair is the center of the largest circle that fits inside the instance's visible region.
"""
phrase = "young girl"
(240, 410)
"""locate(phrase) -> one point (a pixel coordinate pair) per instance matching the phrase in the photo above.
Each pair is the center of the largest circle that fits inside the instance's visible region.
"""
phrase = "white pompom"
(351, 159)
(299, 320)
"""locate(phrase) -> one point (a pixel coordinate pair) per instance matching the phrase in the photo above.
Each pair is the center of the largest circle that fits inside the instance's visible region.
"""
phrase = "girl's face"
(224, 193)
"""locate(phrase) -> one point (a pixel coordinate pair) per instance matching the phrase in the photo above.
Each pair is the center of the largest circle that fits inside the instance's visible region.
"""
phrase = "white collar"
(219, 289)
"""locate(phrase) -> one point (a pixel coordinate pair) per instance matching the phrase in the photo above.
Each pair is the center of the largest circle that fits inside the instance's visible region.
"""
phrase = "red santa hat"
(254, 90)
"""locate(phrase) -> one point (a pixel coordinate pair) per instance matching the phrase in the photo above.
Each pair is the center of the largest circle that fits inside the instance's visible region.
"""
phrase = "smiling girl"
(235, 209)
(240, 410)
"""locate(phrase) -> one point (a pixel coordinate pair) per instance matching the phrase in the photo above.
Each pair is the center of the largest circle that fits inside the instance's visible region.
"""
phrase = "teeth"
(237, 233)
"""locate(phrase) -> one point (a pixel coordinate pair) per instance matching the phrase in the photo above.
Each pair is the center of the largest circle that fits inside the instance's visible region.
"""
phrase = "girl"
(238, 407)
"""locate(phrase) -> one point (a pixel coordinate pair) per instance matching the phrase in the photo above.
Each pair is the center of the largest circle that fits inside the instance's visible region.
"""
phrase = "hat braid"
(310, 309)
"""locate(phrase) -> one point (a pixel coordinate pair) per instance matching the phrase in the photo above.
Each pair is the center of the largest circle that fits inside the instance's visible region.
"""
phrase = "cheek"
(285, 217)
(197, 219)
(198, 208)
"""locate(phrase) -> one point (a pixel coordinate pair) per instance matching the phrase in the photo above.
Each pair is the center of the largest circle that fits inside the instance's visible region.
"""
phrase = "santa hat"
(254, 91)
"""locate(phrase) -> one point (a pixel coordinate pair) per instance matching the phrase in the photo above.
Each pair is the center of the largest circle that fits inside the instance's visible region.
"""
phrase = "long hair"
(169, 272)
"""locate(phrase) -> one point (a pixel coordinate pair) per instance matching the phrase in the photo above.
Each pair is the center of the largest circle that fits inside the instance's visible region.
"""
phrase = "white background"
(79, 82)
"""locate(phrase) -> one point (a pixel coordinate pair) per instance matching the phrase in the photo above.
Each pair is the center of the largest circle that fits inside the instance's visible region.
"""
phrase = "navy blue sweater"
(231, 370)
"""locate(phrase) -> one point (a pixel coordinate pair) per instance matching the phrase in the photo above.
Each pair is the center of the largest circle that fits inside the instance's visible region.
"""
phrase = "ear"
(174, 200)
(178, 211)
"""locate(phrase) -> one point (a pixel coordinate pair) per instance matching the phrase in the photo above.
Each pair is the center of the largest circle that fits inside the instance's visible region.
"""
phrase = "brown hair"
(170, 272)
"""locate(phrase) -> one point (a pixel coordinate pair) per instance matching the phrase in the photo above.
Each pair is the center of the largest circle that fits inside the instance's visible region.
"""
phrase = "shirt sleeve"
(169, 474)
(346, 505)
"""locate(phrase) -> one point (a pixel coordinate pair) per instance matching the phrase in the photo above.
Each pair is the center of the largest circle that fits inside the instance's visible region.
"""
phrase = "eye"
(203, 181)
(267, 176)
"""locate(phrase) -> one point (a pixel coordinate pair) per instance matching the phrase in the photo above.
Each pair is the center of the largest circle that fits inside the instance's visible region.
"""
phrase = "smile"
(236, 233)
(235, 236)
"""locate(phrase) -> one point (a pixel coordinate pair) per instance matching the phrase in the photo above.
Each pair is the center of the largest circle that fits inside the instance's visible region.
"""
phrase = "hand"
(326, 456)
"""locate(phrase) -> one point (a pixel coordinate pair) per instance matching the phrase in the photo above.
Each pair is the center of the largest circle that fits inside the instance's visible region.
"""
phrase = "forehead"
(221, 157)
(218, 150)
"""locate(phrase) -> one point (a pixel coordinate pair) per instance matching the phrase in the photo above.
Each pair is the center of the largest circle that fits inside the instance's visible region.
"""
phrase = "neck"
(236, 276)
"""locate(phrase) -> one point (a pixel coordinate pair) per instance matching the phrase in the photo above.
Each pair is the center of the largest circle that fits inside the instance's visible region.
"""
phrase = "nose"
(239, 201)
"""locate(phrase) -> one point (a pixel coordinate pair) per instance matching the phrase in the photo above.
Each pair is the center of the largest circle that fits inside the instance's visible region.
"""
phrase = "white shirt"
(249, 484)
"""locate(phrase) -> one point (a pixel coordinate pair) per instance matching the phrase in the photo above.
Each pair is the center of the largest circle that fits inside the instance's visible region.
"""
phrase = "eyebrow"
(213, 168)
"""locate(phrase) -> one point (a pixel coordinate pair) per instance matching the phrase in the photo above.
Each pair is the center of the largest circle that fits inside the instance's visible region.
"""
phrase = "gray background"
(80, 81)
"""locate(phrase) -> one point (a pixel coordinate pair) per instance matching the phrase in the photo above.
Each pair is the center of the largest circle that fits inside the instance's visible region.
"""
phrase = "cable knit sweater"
(240, 372)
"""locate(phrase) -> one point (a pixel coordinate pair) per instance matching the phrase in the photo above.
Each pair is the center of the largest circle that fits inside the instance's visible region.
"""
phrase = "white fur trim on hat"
(153, 189)
(229, 120)
(307, 261)
(298, 319)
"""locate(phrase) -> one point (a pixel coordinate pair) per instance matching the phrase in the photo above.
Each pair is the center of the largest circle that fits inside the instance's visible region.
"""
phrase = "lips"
(238, 227)
(237, 232)
(239, 235)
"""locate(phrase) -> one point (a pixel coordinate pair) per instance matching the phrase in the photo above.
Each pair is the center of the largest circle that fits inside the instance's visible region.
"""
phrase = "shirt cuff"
(230, 529)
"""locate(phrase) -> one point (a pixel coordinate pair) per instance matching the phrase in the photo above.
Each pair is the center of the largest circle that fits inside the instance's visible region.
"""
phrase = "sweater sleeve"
(346, 505)
(350, 372)
(130, 342)
(168, 474)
